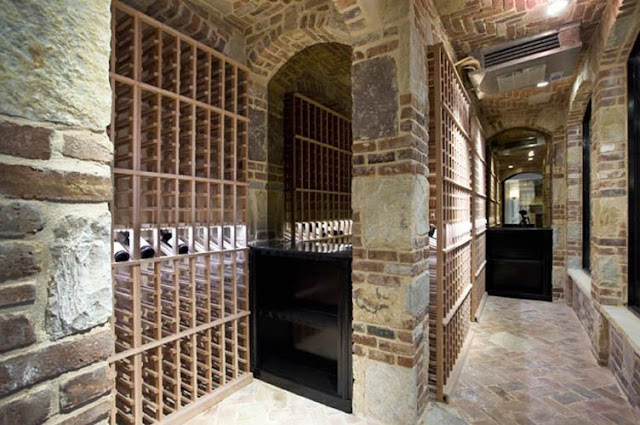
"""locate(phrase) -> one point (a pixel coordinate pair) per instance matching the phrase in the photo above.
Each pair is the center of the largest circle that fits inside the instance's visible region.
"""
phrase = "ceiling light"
(530, 158)
(542, 84)
(510, 166)
(556, 6)
(531, 153)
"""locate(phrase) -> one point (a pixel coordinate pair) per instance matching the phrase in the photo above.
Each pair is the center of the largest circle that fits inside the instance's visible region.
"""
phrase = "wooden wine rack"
(450, 208)
(479, 213)
(179, 129)
(317, 173)
(495, 192)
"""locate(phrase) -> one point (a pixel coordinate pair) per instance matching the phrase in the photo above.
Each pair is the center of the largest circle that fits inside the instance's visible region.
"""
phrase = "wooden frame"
(479, 214)
(450, 165)
(318, 160)
(179, 128)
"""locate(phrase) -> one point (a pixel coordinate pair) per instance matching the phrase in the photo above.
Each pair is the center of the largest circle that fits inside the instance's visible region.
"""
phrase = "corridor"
(530, 363)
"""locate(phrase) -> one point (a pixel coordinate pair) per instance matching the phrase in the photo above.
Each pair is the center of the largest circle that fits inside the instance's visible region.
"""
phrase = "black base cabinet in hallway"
(301, 321)
(519, 263)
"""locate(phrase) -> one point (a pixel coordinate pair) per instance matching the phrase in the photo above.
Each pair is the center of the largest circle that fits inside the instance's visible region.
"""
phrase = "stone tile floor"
(262, 404)
(530, 363)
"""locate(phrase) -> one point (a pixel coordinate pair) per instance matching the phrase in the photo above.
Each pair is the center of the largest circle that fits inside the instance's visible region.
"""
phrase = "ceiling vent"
(550, 56)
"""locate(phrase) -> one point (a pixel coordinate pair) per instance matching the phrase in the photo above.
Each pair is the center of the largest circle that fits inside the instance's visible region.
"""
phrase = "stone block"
(257, 135)
(375, 99)
(88, 146)
(30, 409)
(25, 141)
(37, 183)
(80, 287)
(18, 260)
(55, 65)
(17, 294)
(18, 219)
(84, 388)
(391, 393)
(96, 413)
(52, 360)
(393, 210)
(15, 332)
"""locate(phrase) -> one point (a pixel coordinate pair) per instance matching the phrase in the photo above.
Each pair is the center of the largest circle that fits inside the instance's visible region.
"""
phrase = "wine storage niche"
(451, 165)
(181, 312)
(317, 173)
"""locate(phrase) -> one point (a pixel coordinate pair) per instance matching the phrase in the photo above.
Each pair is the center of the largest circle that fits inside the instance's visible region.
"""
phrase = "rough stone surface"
(31, 409)
(441, 414)
(96, 413)
(17, 294)
(18, 219)
(25, 141)
(393, 210)
(257, 135)
(390, 396)
(55, 65)
(15, 332)
(18, 260)
(53, 360)
(36, 183)
(80, 288)
(89, 146)
(375, 99)
(82, 389)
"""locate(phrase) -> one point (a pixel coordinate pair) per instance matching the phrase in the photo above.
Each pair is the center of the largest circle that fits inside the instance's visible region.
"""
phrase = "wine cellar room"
(204, 299)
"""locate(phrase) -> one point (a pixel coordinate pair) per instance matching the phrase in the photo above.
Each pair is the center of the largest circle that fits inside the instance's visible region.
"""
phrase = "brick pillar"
(258, 157)
(55, 225)
(609, 188)
(390, 205)
(559, 211)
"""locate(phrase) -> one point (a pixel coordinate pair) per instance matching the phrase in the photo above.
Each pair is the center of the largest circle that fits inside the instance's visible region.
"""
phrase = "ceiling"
(513, 153)
(475, 24)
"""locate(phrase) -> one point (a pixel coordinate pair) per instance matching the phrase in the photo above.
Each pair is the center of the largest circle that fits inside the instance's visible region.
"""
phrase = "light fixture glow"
(510, 166)
(530, 158)
(542, 84)
(531, 153)
(556, 6)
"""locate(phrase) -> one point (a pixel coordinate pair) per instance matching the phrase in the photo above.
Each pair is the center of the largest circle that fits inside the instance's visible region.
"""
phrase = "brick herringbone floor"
(530, 363)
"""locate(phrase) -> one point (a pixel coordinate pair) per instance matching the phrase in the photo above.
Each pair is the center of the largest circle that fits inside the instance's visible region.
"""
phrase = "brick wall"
(624, 362)
(55, 181)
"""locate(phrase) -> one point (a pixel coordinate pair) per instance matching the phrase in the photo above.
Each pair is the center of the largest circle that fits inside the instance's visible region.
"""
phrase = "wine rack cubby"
(453, 184)
(181, 297)
(318, 173)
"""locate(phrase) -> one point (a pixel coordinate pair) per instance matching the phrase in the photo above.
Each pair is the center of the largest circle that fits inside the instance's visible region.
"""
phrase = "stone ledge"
(582, 279)
(627, 324)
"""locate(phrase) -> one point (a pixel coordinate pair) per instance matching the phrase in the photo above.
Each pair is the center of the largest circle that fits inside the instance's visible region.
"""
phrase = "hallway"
(530, 363)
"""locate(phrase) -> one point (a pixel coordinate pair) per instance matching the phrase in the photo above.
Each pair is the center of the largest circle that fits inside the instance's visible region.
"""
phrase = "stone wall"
(591, 320)
(55, 181)
(624, 362)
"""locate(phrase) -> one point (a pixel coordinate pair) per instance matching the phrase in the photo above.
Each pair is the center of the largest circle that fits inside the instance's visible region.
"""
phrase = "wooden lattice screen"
(317, 172)
(450, 209)
(479, 213)
(179, 129)
(494, 202)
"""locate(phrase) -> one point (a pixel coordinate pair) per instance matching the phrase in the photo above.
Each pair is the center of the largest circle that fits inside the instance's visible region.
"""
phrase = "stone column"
(609, 188)
(559, 211)
(390, 205)
(258, 160)
(55, 225)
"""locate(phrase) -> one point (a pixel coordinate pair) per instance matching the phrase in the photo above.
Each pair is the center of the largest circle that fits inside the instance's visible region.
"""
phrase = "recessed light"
(531, 153)
(530, 158)
(542, 84)
(510, 166)
(556, 6)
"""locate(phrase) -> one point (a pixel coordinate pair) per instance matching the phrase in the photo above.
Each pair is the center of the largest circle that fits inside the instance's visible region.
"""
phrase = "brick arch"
(521, 121)
(275, 48)
(491, 136)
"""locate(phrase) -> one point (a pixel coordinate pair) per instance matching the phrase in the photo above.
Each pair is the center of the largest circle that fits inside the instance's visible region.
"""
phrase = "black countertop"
(304, 249)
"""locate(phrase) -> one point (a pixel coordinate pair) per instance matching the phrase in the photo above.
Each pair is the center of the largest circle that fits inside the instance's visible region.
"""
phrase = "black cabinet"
(519, 263)
(301, 321)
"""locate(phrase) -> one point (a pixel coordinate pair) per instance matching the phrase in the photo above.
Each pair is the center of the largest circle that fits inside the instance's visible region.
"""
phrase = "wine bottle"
(169, 240)
(146, 250)
(120, 253)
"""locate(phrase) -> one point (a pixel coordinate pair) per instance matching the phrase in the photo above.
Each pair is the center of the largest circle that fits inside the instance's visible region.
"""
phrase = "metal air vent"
(524, 48)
